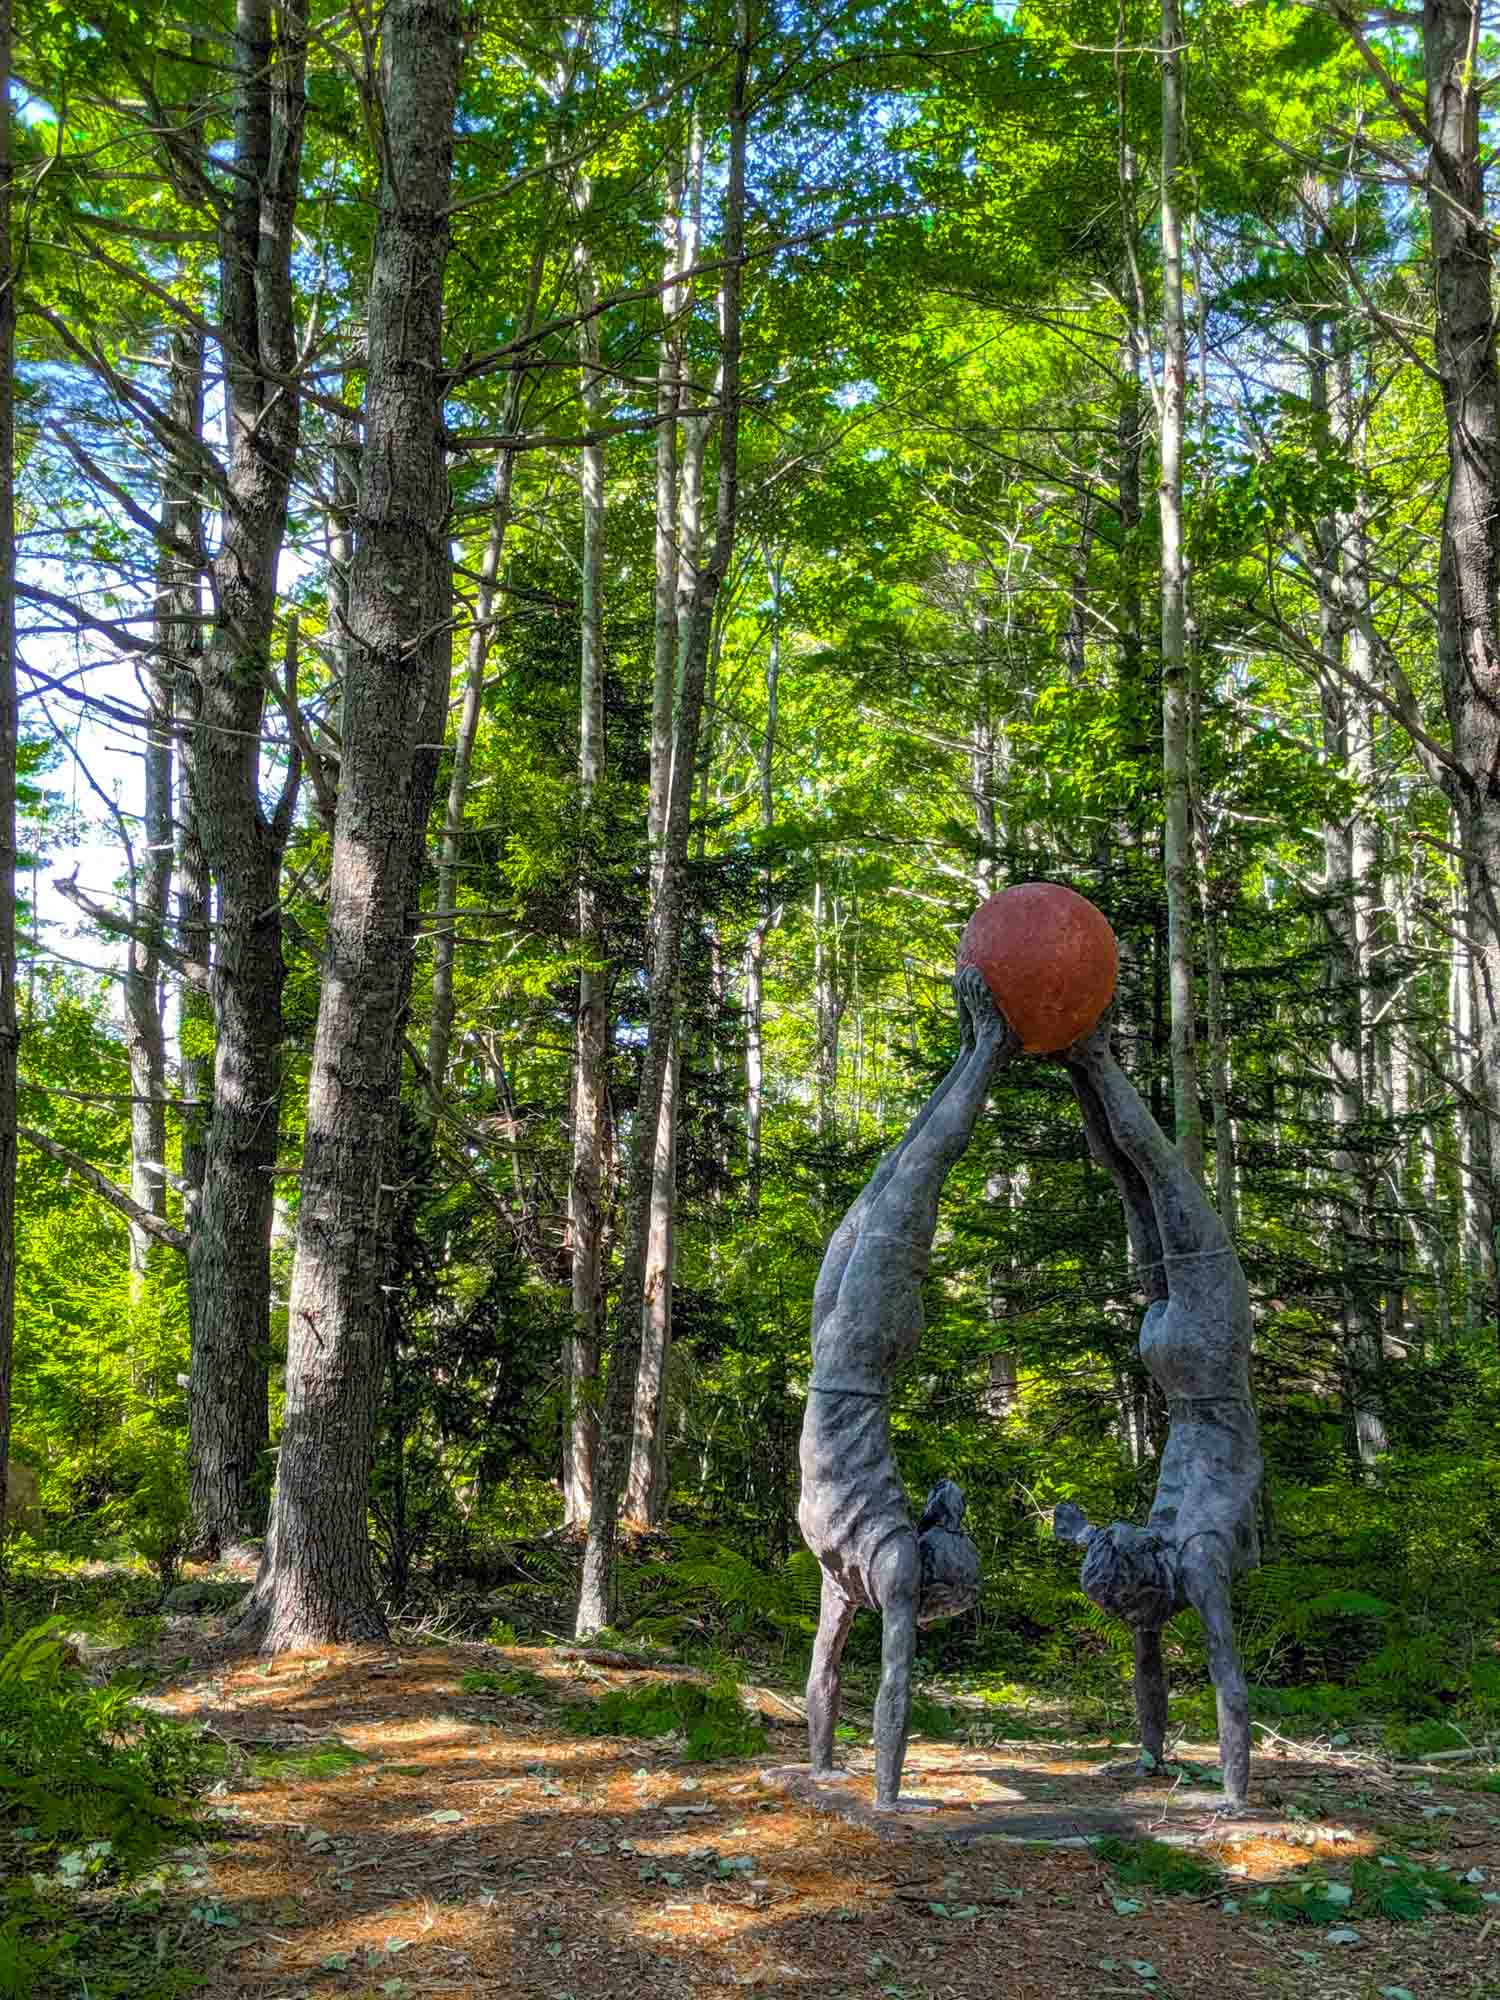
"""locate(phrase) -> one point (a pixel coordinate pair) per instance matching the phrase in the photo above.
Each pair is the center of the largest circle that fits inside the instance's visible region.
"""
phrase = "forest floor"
(383, 1831)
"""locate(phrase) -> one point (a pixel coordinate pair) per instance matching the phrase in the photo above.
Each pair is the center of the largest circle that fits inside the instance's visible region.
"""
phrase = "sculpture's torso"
(853, 1501)
(1197, 1348)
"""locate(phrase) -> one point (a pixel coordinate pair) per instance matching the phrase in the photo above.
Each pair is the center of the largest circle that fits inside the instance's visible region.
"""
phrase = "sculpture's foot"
(906, 1805)
(1131, 1767)
(826, 1774)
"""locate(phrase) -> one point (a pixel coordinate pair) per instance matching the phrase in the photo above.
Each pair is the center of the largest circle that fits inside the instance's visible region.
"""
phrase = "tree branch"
(104, 1187)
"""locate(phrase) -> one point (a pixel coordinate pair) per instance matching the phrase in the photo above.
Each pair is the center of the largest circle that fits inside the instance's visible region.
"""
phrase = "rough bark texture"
(1177, 704)
(616, 1428)
(1469, 556)
(9, 1033)
(229, 1269)
(316, 1585)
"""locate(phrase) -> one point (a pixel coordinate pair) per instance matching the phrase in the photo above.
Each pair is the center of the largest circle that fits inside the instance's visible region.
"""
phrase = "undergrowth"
(1152, 1864)
(713, 1720)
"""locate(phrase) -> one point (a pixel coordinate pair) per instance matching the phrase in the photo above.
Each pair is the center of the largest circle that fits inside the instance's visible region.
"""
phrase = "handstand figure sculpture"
(867, 1320)
(1195, 1340)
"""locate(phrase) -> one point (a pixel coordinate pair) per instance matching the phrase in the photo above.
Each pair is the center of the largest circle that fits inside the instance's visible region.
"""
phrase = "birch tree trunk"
(229, 1255)
(1177, 699)
(755, 950)
(666, 941)
(679, 552)
(316, 1585)
(10, 1038)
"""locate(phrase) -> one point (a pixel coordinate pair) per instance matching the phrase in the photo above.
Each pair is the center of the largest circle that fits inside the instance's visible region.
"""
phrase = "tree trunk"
(616, 1431)
(316, 1584)
(229, 1267)
(591, 1027)
(10, 1039)
(1177, 699)
(681, 553)
(1468, 612)
(755, 951)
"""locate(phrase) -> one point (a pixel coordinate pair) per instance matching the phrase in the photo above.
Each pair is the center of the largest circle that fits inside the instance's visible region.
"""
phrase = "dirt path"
(479, 1849)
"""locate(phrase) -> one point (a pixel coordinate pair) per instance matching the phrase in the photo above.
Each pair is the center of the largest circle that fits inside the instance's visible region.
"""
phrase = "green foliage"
(713, 1720)
(1397, 1890)
(83, 1770)
(311, 1760)
(1152, 1864)
(159, 1521)
(932, 1718)
(515, 1680)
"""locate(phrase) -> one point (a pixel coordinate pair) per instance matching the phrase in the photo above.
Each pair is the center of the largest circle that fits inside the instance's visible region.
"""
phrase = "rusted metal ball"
(1049, 959)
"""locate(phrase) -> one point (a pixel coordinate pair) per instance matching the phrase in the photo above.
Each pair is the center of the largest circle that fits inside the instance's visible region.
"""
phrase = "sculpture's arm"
(1186, 1221)
(1135, 1198)
(895, 1580)
(824, 1681)
(1150, 1689)
(1204, 1580)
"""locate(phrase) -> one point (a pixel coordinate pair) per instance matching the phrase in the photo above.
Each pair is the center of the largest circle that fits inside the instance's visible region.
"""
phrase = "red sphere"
(1049, 959)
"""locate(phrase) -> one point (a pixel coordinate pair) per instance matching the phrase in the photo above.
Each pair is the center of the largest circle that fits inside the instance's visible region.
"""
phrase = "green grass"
(513, 1681)
(713, 1719)
(1152, 1864)
(310, 1760)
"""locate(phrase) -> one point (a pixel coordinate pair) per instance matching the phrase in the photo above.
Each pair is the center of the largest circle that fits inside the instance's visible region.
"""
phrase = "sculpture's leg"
(1150, 1691)
(835, 1616)
(1205, 1583)
(895, 1581)
(1135, 1197)
(841, 1244)
(906, 1204)
(1186, 1220)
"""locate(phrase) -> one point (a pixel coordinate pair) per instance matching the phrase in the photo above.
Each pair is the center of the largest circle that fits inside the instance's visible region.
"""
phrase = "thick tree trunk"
(1469, 555)
(1177, 699)
(10, 1039)
(316, 1585)
(666, 942)
(591, 1026)
(229, 1269)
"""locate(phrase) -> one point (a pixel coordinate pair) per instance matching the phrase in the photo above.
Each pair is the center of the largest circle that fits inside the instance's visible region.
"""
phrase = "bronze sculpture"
(867, 1321)
(1202, 1530)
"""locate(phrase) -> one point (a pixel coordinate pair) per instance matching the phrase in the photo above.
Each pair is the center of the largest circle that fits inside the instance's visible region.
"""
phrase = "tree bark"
(755, 950)
(229, 1257)
(1177, 700)
(1469, 553)
(316, 1584)
(616, 1429)
(591, 1026)
(10, 1037)
(679, 550)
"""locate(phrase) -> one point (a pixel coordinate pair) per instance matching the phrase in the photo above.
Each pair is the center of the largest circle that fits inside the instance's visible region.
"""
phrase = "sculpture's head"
(1128, 1572)
(949, 1580)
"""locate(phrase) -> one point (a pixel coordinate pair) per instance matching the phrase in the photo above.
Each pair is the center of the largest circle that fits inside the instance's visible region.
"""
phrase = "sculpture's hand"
(981, 1023)
(1090, 1047)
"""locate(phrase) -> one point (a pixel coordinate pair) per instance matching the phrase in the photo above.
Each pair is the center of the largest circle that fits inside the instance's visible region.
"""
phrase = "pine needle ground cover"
(433, 1819)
